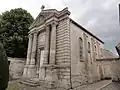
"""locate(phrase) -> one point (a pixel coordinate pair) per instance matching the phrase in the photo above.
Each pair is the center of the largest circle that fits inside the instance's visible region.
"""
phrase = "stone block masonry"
(16, 67)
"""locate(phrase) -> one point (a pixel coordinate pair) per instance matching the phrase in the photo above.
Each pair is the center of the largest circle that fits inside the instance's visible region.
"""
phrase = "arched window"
(81, 49)
(101, 51)
(95, 51)
(95, 48)
(88, 47)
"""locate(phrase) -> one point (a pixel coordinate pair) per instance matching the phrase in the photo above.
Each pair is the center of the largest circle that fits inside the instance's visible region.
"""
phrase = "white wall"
(82, 72)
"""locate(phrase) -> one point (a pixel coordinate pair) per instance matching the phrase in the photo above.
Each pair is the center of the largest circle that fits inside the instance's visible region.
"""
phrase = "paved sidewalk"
(94, 86)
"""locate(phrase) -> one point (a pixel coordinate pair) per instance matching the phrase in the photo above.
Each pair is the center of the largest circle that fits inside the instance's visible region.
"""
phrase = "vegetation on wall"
(14, 30)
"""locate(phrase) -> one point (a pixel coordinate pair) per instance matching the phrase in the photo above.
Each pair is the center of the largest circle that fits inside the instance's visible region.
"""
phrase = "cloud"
(103, 22)
(32, 6)
(100, 17)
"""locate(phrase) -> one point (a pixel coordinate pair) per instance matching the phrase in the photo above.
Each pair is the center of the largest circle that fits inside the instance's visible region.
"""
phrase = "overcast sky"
(98, 16)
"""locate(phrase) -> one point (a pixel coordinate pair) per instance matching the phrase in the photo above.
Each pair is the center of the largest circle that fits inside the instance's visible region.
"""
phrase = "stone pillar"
(29, 49)
(28, 55)
(32, 68)
(46, 48)
(51, 71)
(32, 62)
(53, 44)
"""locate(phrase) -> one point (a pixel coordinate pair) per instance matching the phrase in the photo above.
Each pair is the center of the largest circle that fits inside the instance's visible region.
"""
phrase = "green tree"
(4, 68)
(14, 26)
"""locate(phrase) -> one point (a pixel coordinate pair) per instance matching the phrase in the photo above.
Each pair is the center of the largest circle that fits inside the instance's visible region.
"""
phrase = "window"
(81, 48)
(88, 47)
(101, 51)
(95, 51)
(95, 48)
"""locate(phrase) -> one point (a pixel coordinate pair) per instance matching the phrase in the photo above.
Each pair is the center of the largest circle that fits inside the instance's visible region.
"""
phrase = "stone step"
(30, 82)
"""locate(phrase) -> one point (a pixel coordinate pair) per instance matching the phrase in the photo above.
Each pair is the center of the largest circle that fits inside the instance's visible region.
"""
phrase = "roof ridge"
(86, 30)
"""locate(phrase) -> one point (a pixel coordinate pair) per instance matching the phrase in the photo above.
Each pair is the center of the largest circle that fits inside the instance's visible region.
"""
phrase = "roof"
(118, 49)
(85, 30)
(108, 54)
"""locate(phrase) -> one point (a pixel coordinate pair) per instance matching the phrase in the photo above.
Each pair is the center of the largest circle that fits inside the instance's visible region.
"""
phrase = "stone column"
(46, 48)
(53, 44)
(28, 55)
(32, 68)
(29, 49)
(51, 71)
(32, 62)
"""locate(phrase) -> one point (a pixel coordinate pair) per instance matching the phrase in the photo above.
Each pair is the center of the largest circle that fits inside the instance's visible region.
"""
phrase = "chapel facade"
(61, 51)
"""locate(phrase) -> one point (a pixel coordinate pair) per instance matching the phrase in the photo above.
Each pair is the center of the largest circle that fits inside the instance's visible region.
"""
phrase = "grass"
(12, 89)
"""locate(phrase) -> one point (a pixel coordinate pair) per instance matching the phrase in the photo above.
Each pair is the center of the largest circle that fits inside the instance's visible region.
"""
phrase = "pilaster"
(86, 55)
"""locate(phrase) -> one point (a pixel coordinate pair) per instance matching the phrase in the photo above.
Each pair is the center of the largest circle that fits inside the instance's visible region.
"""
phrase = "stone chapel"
(61, 52)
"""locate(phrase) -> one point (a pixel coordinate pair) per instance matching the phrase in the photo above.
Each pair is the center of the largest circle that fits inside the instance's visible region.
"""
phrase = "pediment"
(41, 18)
(38, 21)
(46, 14)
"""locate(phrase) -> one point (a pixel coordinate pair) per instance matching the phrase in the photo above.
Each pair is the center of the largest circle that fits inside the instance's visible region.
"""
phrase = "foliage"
(4, 68)
(14, 26)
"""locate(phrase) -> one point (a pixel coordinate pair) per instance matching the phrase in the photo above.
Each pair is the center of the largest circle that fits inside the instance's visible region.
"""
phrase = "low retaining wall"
(109, 68)
(16, 67)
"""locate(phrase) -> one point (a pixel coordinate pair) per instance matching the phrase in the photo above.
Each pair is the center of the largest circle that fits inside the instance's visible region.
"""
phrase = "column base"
(51, 78)
(25, 71)
(31, 72)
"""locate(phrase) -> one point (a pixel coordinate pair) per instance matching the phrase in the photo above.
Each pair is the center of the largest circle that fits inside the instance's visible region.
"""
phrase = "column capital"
(54, 23)
(35, 34)
(47, 27)
(30, 35)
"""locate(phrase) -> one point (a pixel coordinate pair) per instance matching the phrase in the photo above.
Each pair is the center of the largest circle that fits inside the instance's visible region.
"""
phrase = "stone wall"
(109, 68)
(63, 56)
(82, 70)
(16, 67)
(116, 70)
(90, 70)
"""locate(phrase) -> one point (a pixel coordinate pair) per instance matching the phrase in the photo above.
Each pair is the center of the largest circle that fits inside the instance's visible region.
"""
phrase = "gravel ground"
(15, 85)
